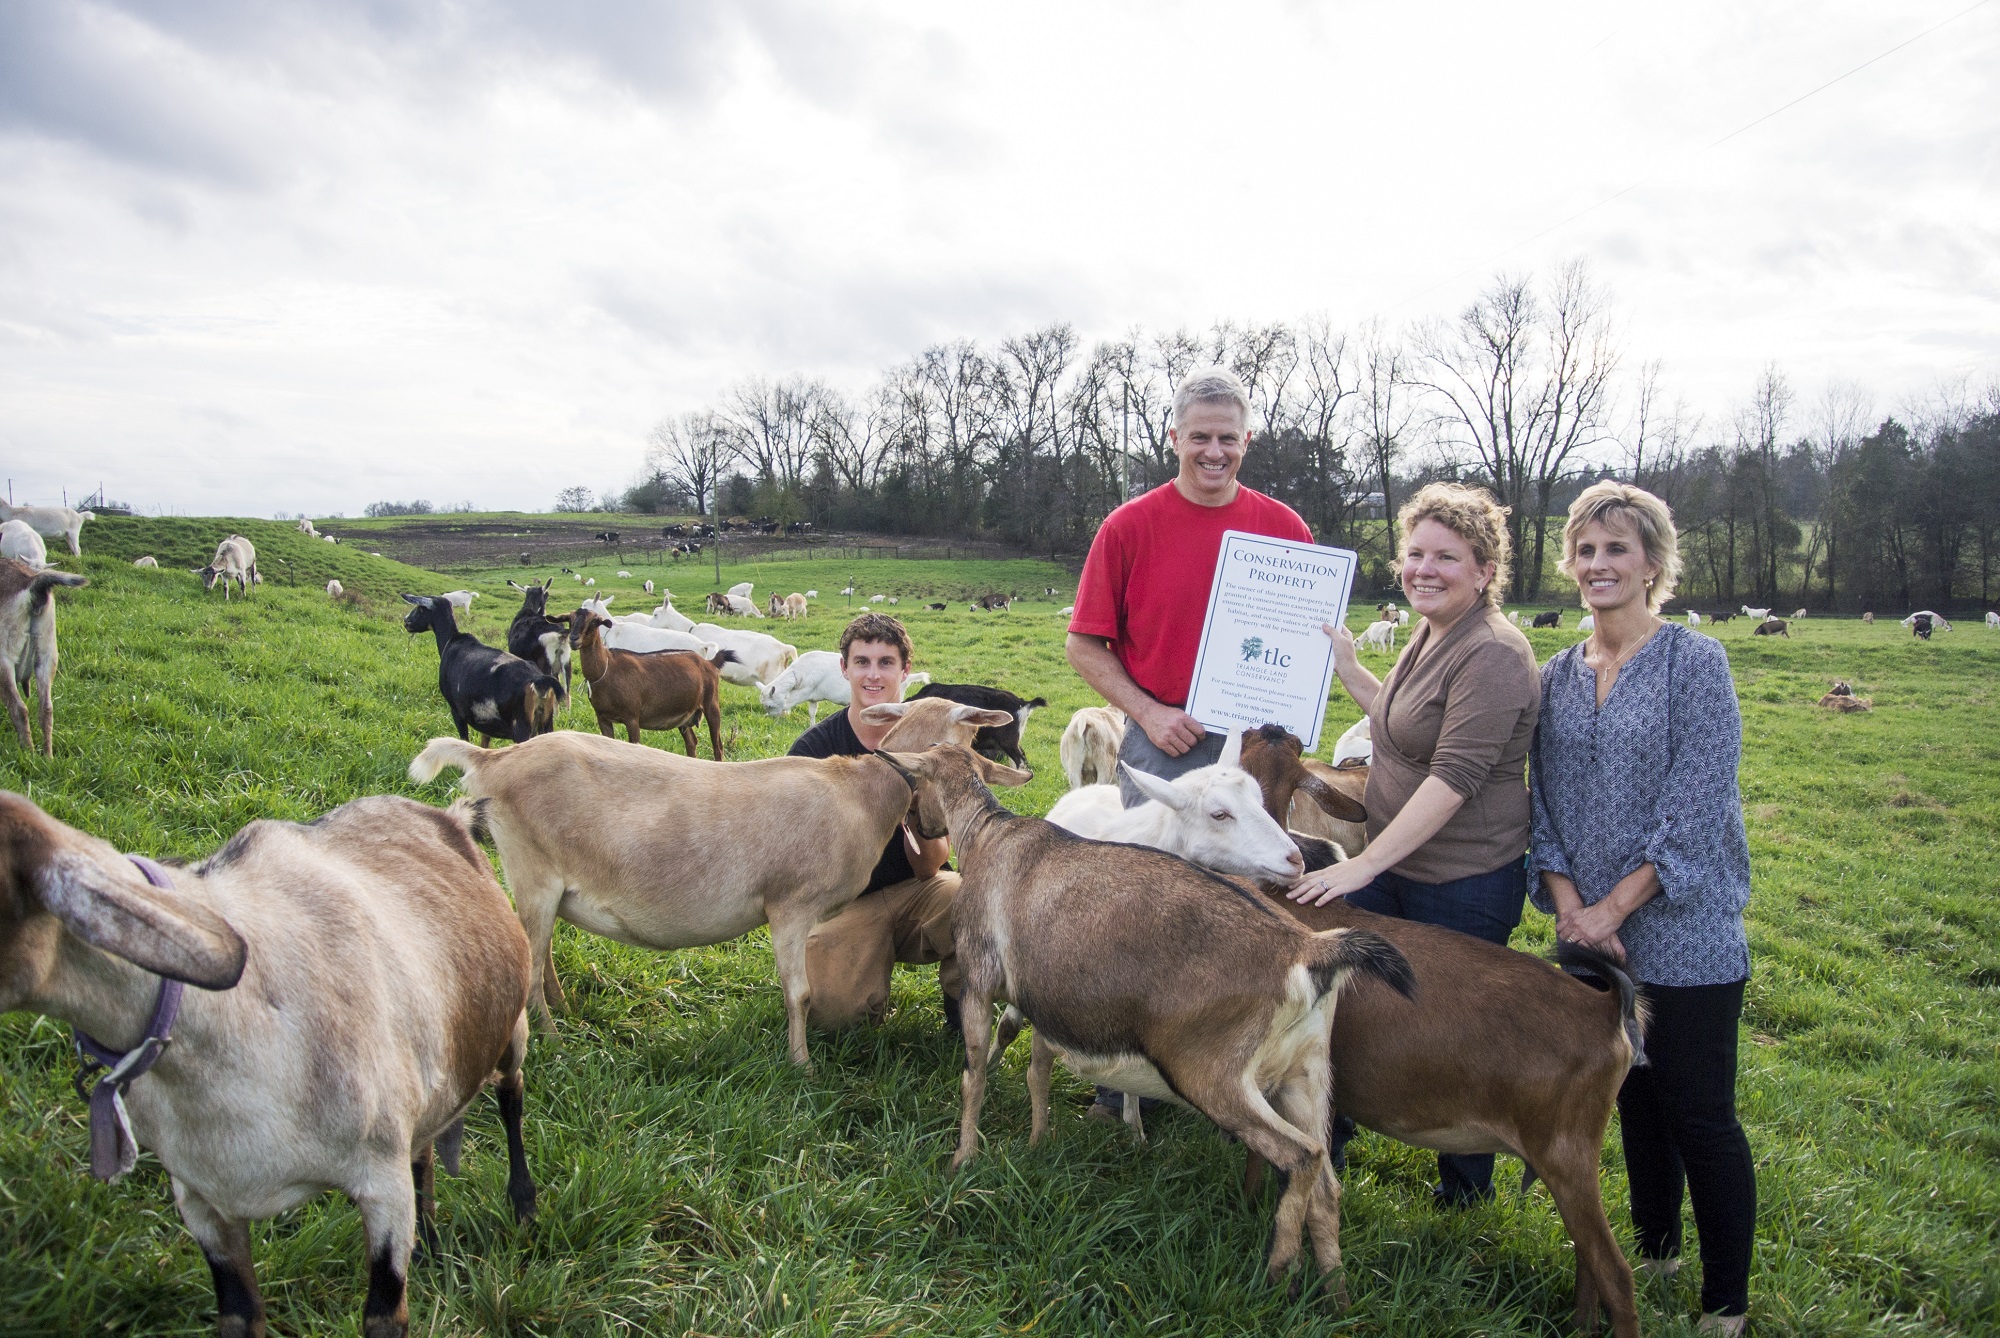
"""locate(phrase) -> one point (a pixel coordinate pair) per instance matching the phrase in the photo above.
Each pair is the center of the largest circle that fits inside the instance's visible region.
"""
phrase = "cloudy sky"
(296, 257)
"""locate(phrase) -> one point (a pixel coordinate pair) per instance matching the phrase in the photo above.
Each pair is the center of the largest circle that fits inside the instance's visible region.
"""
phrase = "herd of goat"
(1149, 949)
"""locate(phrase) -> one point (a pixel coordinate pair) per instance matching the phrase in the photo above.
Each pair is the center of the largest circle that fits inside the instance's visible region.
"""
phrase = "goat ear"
(979, 715)
(1232, 750)
(1159, 791)
(998, 773)
(884, 713)
(1333, 802)
(161, 931)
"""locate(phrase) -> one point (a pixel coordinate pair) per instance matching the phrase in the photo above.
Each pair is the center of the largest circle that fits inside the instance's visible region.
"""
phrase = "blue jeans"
(1486, 905)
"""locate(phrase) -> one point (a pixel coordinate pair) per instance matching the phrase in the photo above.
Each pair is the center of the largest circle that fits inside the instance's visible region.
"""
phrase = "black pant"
(1678, 1119)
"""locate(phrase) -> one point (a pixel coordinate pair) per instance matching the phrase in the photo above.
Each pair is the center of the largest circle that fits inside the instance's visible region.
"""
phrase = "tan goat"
(355, 982)
(1143, 972)
(669, 689)
(1502, 1053)
(28, 645)
(665, 852)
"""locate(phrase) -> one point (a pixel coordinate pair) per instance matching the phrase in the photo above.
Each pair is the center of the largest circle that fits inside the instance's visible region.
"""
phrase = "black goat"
(539, 639)
(992, 740)
(486, 688)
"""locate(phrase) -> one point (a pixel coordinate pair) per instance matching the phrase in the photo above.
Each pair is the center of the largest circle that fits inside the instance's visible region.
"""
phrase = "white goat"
(1356, 741)
(356, 982)
(235, 560)
(51, 522)
(1379, 636)
(28, 646)
(19, 541)
(1089, 747)
(587, 827)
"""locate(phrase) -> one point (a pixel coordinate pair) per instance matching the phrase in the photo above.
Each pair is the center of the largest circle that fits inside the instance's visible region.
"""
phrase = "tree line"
(1525, 391)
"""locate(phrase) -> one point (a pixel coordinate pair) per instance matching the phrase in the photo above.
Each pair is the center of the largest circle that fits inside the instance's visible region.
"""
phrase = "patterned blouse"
(1649, 777)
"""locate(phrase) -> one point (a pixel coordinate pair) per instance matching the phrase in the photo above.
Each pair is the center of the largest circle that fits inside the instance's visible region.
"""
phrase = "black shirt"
(835, 737)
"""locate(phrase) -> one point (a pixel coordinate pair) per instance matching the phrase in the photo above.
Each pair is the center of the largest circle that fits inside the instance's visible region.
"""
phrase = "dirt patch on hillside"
(447, 545)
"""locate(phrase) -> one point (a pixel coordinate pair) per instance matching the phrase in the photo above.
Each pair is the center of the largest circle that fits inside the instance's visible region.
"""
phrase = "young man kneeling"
(904, 914)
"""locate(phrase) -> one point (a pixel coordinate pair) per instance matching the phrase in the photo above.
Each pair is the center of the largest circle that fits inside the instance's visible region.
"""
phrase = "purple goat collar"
(113, 1150)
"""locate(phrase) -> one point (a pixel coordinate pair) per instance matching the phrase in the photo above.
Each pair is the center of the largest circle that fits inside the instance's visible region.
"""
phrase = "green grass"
(694, 1182)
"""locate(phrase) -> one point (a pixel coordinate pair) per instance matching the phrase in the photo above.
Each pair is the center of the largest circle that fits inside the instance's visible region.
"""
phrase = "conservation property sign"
(1263, 658)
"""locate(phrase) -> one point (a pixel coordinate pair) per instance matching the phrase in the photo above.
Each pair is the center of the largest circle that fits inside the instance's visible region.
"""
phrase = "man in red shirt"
(1144, 592)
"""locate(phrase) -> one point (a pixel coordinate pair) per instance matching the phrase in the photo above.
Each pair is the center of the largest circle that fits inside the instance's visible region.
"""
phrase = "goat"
(235, 560)
(51, 522)
(541, 640)
(1773, 627)
(484, 688)
(1759, 614)
(661, 690)
(992, 742)
(19, 541)
(148, 561)
(1553, 618)
(28, 645)
(334, 589)
(1143, 972)
(1089, 747)
(356, 981)
(1840, 697)
(1379, 636)
(1536, 1076)
(588, 829)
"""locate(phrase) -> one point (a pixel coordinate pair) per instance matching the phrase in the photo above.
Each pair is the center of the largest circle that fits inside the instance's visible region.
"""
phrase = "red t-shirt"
(1145, 583)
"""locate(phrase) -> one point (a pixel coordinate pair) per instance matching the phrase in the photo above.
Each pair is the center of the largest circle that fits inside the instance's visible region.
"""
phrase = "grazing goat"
(148, 561)
(1004, 740)
(51, 522)
(669, 689)
(1502, 1053)
(1840, 697)
(1379, 635)
(235, 560)
(28, 646)
(1773, 627)
(356, 981)
(1089, 747)
(19, 541)
(485, 688)
(539, 639)
(655, 850)
(1143, 972)
(1553, 618)
(1759, 614)
(334, 589)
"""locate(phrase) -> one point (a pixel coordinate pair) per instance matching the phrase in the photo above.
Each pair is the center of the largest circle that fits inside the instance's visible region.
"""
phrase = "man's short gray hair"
(1217, 385)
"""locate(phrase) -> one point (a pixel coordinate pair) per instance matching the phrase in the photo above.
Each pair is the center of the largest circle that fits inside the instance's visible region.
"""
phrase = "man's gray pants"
(1138, 752)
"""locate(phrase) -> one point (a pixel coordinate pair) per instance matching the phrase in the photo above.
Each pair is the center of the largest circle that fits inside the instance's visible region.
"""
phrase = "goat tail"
(1575, 957)
(472, 815)
(441, 753)
(1336, 954)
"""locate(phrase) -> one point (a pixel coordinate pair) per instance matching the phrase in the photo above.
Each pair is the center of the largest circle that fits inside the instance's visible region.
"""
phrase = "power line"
(1747, 126)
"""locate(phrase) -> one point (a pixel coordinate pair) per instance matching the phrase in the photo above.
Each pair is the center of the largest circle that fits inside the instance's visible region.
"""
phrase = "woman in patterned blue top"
(1639, 851)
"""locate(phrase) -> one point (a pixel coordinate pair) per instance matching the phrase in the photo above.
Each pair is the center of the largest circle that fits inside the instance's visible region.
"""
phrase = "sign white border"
(1207, 695)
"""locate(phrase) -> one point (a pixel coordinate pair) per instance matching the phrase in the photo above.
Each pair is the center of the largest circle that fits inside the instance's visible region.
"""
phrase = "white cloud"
(294, 257)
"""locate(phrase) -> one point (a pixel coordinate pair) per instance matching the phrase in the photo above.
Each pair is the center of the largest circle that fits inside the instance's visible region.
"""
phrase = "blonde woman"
(1447, 801)
(1639, 851)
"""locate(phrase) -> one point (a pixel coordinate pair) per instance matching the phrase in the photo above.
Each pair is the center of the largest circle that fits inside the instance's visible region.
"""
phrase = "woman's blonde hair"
(1620, 504)
(1472, 515)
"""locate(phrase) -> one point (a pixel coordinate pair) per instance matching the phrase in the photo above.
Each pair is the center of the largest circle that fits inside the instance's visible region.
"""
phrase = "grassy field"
(694, 1183)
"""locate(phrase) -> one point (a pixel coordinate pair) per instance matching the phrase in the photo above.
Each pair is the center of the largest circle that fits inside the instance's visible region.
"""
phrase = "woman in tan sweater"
(1447, 792)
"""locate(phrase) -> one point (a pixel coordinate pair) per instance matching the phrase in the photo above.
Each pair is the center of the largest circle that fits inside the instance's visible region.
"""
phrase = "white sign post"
(1263, 657)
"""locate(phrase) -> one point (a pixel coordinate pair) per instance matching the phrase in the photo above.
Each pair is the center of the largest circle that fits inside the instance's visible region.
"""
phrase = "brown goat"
(667, 689)
(1138, 968)
(1502, 1053)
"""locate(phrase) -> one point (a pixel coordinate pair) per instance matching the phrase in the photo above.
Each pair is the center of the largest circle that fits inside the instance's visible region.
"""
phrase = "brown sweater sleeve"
(1488, 692)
